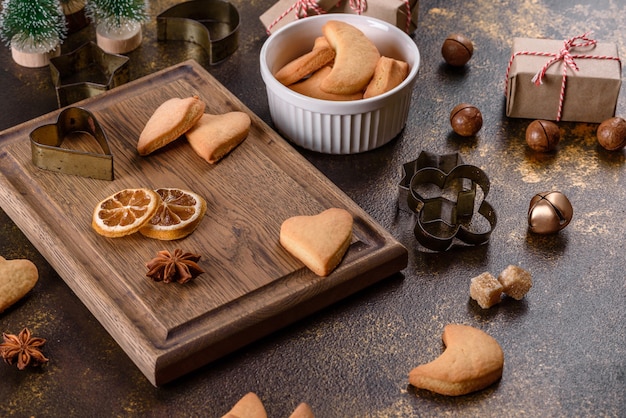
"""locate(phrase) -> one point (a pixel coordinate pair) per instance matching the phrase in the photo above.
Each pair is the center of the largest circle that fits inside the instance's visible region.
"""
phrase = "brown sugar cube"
(486, 290)
(515, 281)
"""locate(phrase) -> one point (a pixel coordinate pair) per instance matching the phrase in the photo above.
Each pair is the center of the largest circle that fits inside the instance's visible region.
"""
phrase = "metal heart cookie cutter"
(445, 195)
(212, 24)
(86, 72)
(48, 154)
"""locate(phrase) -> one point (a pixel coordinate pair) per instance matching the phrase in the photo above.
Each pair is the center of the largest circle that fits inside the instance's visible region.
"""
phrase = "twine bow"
(565, 55)
(359, 6)
(302, 8)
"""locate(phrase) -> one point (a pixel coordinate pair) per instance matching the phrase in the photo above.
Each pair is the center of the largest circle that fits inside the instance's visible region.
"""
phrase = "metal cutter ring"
(48, 154)
(438, 220)
(212, 24)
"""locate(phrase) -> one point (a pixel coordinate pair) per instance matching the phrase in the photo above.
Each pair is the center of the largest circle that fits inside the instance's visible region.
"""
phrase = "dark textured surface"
(564, 343)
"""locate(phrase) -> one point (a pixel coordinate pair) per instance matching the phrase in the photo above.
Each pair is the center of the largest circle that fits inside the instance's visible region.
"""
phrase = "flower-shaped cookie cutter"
(48, 154)
(442, 193)
(212, 24)
(86, 72)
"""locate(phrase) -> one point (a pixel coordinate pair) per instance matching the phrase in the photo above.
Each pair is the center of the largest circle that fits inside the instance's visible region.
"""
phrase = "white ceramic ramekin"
(337, 127)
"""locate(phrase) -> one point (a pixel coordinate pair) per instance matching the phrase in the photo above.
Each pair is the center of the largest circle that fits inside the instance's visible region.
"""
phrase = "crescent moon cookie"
(170, 120)
(306, 64)
(355, 58)
(471, 361)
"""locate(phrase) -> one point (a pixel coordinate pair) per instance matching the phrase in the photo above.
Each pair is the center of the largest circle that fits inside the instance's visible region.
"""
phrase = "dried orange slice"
(178, 215)
(125, 212)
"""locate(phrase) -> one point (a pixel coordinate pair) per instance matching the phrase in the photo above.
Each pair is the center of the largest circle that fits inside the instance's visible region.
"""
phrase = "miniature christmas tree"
(118, 23)
(74, 11)
(33, 26)
(116, 15)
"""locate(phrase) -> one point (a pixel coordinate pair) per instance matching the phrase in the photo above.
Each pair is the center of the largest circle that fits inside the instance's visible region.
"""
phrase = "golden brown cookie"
(355, 58)
(306, 64)
(319, 241)
(250, 406)
(17, 278)
(471, 361)
(169, 121)
(302, 411)
(389, 73)
(311, 87)
(214, 136)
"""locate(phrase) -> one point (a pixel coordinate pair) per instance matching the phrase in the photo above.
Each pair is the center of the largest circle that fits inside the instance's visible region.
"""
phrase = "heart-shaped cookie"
(319, 241)
(214, 136)
(169, 121)
(250, 406)
(17, 277)
(303, 410)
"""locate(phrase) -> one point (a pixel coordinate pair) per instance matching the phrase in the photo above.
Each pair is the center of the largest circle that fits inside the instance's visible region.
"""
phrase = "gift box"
(576, 80)
(401, 13)
(286, 11)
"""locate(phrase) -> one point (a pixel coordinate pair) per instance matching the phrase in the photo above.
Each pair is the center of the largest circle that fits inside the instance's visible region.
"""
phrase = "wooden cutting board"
(251, 287)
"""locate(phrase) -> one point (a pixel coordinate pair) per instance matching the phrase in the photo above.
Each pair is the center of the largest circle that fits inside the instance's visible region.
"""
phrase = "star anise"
(178, 266)
(23, 347)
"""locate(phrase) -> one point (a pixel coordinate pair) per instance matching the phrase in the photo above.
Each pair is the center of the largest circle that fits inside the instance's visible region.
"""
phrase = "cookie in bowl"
(338, 126)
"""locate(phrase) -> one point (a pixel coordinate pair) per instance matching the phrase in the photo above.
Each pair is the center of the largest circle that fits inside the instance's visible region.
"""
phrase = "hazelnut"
(542, 135)
(612, 134)
(549, 212)
(466, 119)
(457, 50)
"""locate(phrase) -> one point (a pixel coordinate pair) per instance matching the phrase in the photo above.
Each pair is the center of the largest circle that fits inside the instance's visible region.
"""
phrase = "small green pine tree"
(32, 25)
(115, 14)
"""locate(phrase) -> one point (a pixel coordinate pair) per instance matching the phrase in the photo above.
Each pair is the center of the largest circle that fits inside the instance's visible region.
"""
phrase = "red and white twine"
(302, 8)
(359, 6)
(565, 55)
